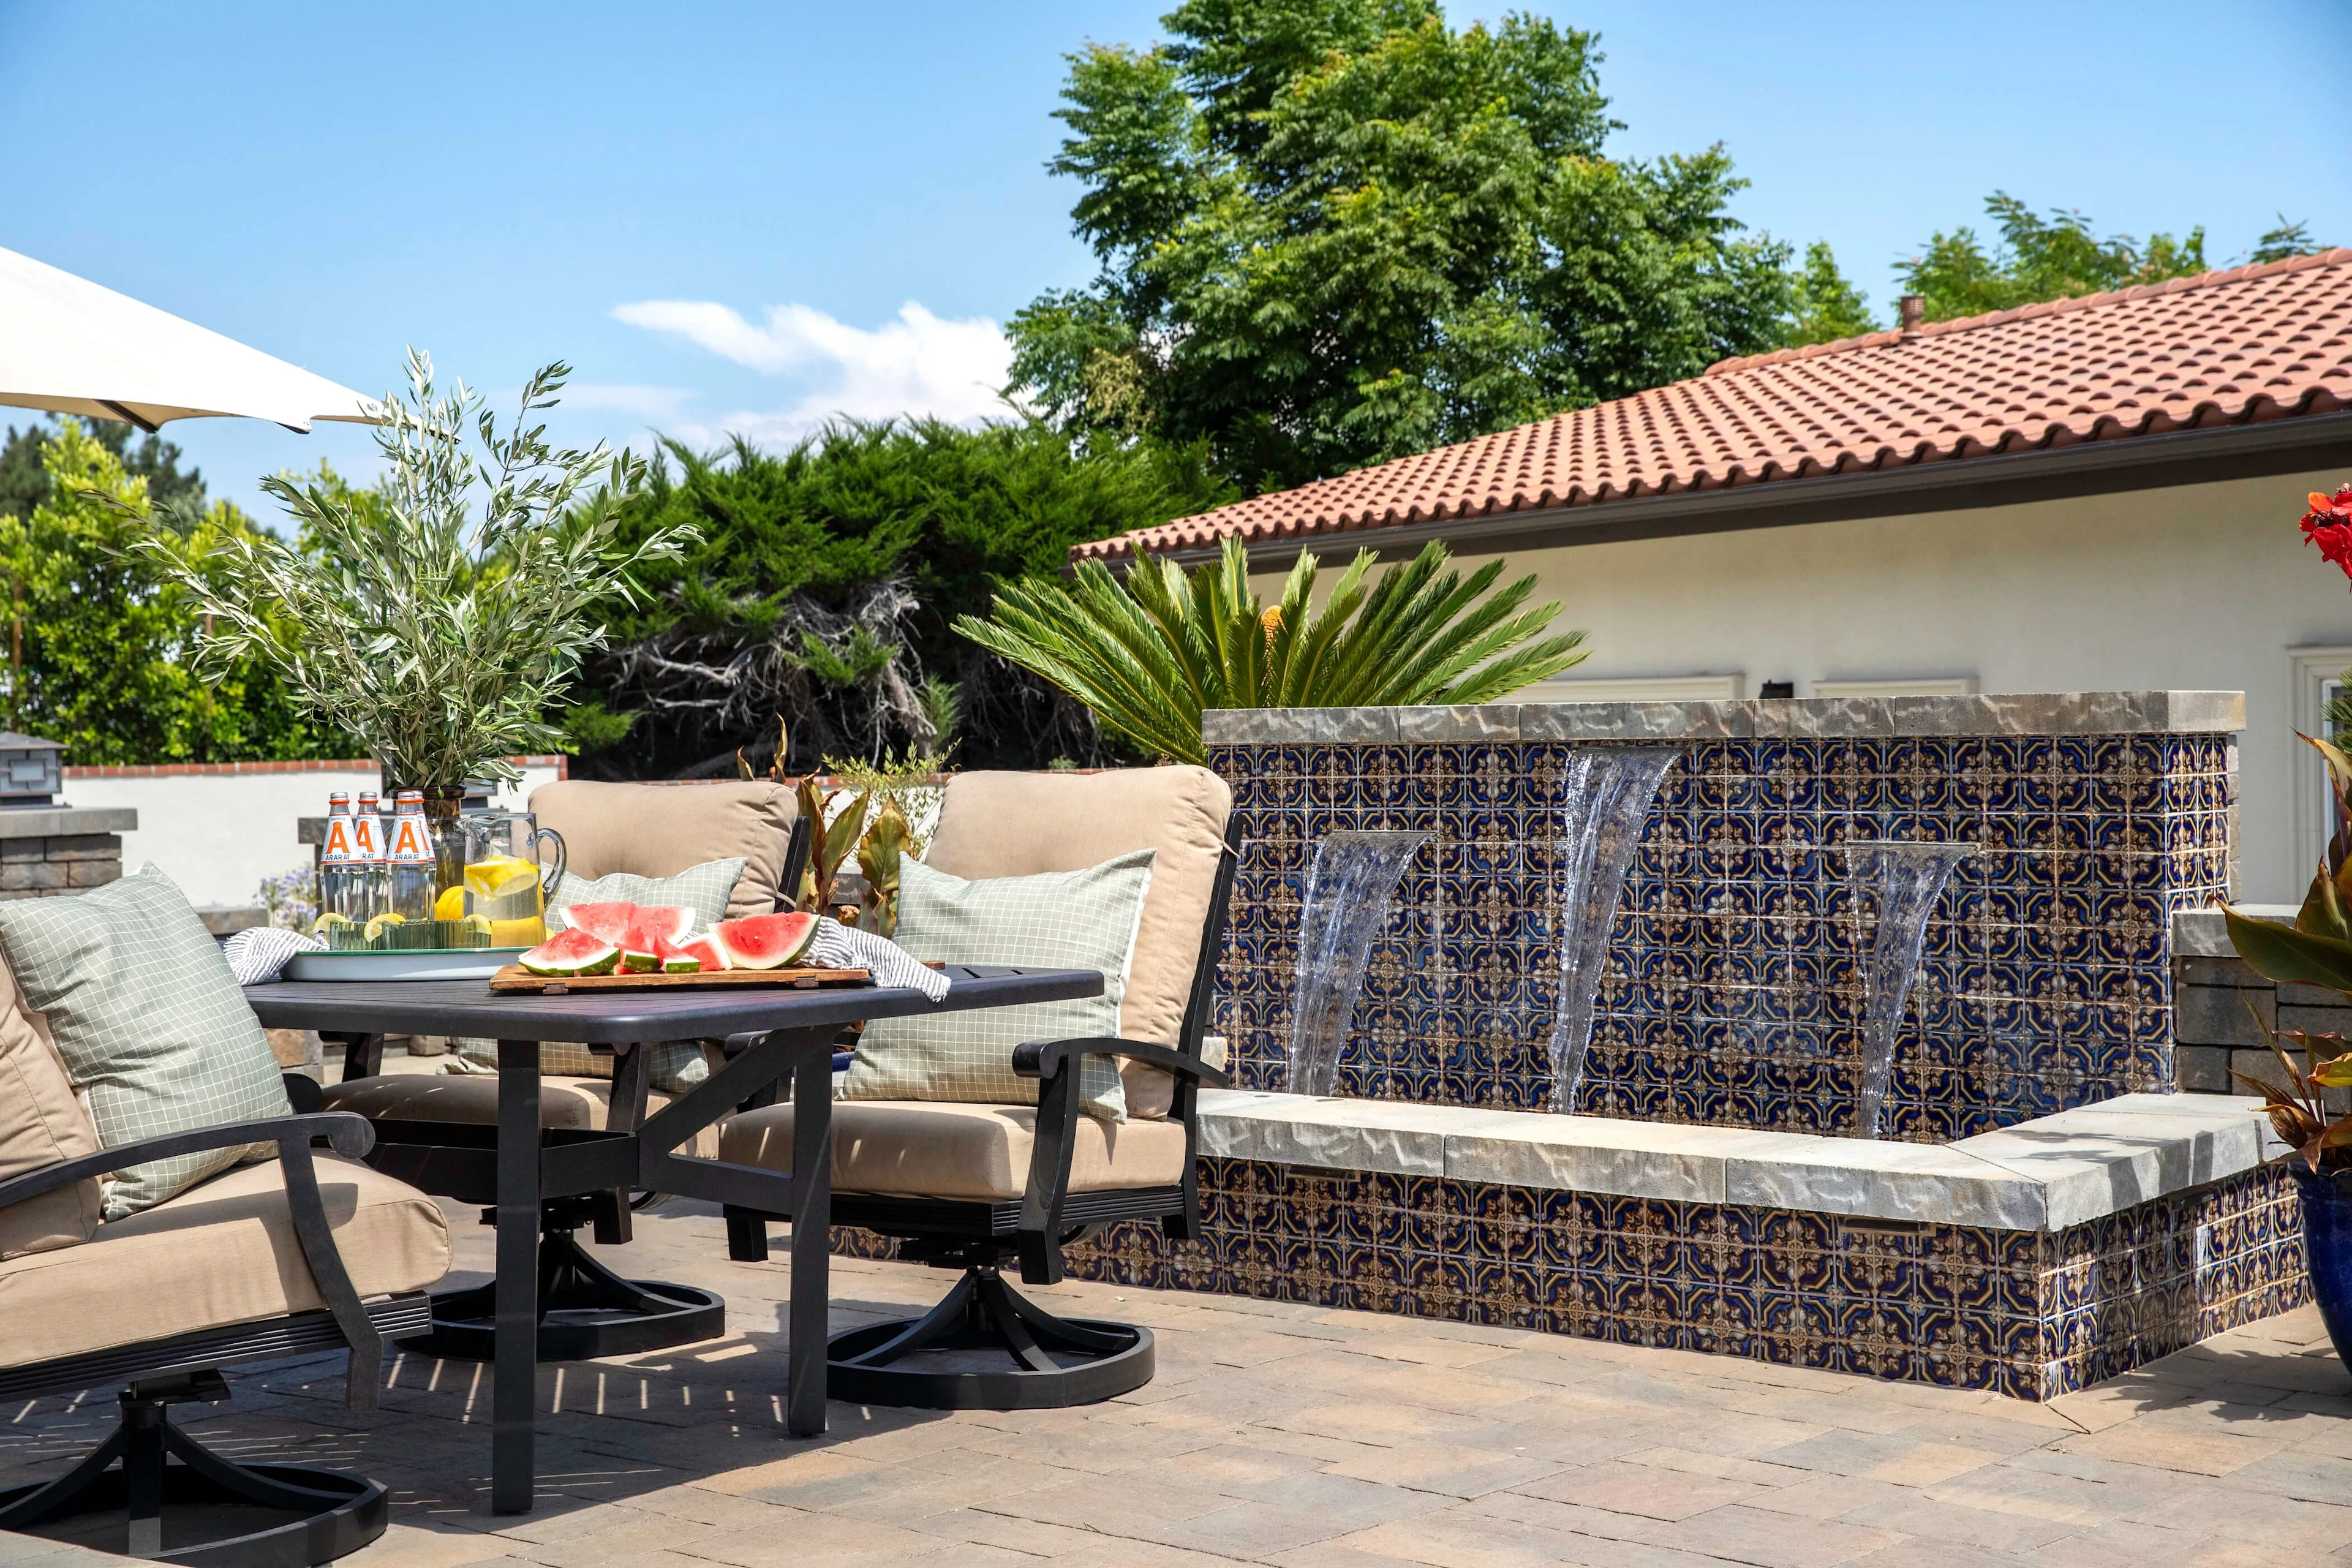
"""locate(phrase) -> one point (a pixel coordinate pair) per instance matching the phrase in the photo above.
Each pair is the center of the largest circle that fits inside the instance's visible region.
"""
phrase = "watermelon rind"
(571, 952)
(767, 942)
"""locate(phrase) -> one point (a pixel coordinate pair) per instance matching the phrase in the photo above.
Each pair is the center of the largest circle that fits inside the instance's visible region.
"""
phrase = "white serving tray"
(442, 963)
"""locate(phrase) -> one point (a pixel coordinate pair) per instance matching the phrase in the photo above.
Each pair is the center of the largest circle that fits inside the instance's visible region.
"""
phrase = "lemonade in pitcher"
(506, 883)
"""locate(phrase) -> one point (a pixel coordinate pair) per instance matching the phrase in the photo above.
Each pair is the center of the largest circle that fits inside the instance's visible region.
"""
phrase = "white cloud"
(915, 364)
(659, 404)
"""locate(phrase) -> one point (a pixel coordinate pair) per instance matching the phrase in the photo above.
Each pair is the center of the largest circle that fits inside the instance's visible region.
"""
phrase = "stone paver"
(1302, 1437)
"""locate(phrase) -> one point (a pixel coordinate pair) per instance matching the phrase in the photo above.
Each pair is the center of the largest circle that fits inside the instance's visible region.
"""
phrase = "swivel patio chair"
(973, 1186)
(286, 1258)
(440, 1132)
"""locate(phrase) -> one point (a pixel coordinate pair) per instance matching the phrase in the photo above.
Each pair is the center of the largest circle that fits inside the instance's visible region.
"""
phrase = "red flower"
(2328, 523)
(2335, 542)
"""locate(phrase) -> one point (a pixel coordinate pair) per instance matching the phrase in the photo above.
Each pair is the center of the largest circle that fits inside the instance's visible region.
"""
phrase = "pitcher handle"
(553, 874)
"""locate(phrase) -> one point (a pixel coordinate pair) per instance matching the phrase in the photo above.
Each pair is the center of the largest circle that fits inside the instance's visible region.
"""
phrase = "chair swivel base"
(987, 1347)
(204, 1511)
(585, 1312)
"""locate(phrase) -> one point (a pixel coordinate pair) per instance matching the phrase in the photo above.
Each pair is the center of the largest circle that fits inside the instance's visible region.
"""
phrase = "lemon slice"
(383, 923)
(499, 874)
(328, 923)
(450, 905)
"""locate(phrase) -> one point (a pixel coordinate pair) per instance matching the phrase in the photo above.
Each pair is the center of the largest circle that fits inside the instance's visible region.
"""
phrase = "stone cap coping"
(2040, 1175)
(2205, 933)
(2063, 713)
(65, 821)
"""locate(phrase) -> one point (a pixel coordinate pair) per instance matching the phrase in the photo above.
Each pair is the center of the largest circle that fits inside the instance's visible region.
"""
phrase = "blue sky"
(740, 217)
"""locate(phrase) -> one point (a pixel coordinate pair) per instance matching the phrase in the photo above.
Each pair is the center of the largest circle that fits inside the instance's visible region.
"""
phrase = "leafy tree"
(2039, 259)
(2284, 242)
(824, 582)
(1337, 231)
(24, 481)
(1828, 307)
(101, 643)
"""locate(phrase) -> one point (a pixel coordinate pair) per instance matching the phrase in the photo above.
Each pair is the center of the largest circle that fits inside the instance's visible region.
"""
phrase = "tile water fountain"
(2038, 1211)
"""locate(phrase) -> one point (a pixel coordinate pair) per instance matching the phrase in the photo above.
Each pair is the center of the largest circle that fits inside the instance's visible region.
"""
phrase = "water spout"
(1348, 888)
(1906, 880)
(1608, 792)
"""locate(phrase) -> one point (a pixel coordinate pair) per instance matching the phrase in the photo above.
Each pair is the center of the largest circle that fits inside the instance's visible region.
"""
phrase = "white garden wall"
(219, 829)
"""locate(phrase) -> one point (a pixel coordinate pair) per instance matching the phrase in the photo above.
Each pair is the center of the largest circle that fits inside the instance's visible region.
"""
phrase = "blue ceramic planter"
(2327, 1245)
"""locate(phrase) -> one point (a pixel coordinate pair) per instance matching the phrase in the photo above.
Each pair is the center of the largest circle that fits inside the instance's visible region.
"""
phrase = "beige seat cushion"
(563, 1102)
(659, 830)
(221, 1252)
(41, 1123)
(950, 1149)
(1017, 825)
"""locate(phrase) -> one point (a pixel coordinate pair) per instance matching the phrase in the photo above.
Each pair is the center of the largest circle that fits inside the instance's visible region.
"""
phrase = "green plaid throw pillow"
(675, 1066)
(150, 1022)
(1058, 920)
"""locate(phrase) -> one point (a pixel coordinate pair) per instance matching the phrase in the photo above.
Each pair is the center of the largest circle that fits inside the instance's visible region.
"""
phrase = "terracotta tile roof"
(2235, 347)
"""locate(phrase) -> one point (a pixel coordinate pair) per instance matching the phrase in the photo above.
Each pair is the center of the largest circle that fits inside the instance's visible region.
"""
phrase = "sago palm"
(1148, 654)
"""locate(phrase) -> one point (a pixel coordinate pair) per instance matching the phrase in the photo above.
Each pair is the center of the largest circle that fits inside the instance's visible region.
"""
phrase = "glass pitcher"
(507, 883)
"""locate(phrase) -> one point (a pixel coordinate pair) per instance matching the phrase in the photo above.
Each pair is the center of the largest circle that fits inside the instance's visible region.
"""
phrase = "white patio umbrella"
(67, 346)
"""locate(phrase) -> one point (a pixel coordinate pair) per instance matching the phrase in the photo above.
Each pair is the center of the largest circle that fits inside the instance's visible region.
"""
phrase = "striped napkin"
(838, 946)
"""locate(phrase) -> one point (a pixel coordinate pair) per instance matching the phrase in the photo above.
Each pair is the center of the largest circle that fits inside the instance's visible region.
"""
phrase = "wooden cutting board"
(514, 977)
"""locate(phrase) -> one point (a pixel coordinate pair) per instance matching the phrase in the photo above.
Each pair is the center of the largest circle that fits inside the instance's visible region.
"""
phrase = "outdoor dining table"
(795, 1028)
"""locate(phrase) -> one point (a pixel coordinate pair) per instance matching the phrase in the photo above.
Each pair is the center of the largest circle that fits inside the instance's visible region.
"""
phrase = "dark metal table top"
(630, 1017)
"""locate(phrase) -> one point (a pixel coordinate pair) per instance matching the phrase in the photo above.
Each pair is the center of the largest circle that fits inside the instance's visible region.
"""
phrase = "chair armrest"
(1044, 1058)
(346, 1132)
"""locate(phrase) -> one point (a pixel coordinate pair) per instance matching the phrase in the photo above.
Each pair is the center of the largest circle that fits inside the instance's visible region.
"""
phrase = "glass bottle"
(367, 854)
(336, 861)
(410, 859)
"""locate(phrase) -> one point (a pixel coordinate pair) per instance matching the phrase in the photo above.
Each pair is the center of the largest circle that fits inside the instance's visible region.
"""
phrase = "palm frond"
(1150, 653)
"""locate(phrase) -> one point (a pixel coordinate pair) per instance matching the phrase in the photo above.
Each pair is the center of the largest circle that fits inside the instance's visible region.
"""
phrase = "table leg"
(514, 1378)
(811, 1243)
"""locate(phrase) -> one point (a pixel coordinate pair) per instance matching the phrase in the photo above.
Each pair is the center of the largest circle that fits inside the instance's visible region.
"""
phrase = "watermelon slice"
(571, 952)
(676, 960)
(767, 942)
(708, 951)
(616, 923)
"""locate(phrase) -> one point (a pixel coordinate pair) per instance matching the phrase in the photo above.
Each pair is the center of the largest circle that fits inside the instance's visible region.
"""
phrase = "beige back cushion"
(1018, 825)
(659, 830)
(41, 1123)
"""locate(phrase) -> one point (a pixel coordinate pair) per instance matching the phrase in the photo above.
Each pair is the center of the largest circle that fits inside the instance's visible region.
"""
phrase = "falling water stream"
(1349, 888)
(1905, 880)
(1607, 796)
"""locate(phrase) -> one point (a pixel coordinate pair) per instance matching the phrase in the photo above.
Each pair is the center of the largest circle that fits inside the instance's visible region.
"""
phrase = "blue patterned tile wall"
(1732, 996)
(2024, 1313)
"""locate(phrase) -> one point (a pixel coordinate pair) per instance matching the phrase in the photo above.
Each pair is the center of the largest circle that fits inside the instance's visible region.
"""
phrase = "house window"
(2318, 682)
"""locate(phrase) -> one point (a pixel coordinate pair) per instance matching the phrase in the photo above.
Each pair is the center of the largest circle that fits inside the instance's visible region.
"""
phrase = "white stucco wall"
(217, 831)
(2194, 587)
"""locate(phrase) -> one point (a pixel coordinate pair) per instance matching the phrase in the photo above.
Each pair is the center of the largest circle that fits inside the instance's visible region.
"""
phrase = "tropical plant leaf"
(2289, 956)
(1150, 654)
(2323, 908)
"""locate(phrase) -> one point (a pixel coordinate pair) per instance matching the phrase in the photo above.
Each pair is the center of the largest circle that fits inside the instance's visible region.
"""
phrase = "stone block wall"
(2221, 1007)
(45, 852)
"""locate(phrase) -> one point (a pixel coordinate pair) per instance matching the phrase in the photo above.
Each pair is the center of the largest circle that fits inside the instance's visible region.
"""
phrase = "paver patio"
(1314, 1438)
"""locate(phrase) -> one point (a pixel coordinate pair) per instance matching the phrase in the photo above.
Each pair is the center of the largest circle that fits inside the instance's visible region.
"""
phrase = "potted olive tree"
(439, 616)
